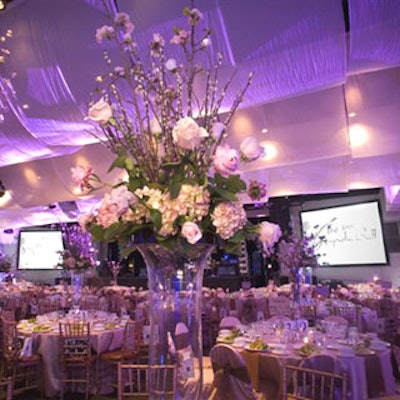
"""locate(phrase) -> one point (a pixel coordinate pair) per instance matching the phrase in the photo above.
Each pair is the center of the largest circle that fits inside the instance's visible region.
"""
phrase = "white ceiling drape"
(309, 73)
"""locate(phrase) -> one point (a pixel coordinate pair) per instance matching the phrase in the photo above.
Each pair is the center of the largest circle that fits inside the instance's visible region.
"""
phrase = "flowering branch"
(183, 180)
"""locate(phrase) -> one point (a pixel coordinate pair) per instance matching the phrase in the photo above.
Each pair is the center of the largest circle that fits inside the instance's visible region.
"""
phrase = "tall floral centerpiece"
(161, 116)
(5, 266)
(294, 255)
(77, 258)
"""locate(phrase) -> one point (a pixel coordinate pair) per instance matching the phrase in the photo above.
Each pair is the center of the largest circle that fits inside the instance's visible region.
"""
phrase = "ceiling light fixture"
(2, 189)
(3, 4)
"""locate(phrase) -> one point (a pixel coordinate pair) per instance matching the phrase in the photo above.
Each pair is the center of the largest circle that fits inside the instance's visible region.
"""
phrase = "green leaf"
(225, 194)
(134, 183)
(119, 162)
(156, 217)
(112, 232)
(168, 242)
(174, 189)
(97, 232)
(129, 164)
(235, 183)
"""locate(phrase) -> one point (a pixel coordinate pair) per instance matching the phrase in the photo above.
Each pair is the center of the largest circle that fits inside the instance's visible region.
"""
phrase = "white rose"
(269, 233)
(122, 198)
(100, 112)
(191, 232)
(187, 134)
(250, 149)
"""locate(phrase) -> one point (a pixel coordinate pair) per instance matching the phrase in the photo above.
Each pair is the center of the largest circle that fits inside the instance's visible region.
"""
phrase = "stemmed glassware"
(115, 268)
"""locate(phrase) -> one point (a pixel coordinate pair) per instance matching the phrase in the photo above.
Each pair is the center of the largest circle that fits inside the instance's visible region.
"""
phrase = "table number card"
(186, 363)
(146, 334)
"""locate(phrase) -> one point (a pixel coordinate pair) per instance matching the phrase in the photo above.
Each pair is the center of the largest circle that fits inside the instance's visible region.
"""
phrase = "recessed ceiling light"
(358, 135)
(352, 114)
(270, 150)
(264, 130)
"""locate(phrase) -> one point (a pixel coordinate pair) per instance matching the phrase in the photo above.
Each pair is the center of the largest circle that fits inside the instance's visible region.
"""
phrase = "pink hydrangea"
(228, 218)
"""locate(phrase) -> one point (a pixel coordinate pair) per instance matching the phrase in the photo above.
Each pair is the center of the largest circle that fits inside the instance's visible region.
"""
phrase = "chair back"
(130, 344)
(10, 344)
(279, 306)
(146, 381)
(229, 322)
(8, 315)
(6, 387)
(75, 341)
(231, 377)
(301, 383)
(249, 311)
(352, 314)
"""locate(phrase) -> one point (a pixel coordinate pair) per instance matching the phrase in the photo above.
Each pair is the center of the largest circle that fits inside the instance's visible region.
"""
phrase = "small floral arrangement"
(5, 263)
(182, 178)
(79, 253)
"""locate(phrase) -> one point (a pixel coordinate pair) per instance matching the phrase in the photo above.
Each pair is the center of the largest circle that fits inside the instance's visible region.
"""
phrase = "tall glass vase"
(175, 280)
(77, 278)
(296, 293)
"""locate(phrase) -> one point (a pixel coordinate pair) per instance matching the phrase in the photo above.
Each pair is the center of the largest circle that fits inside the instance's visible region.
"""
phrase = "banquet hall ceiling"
(309, 76)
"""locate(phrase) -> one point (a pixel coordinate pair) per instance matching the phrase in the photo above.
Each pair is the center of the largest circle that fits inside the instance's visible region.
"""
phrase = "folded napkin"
(27, 347)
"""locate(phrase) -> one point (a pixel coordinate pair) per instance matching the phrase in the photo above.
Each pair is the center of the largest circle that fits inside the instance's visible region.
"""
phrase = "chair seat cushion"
(34, 358)
(79, 360)
(118, 355)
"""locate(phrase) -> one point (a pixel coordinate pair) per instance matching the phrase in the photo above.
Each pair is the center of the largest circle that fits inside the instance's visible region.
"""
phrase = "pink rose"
(100, 112)
(226, 160)
(187, 134)
(191, 232)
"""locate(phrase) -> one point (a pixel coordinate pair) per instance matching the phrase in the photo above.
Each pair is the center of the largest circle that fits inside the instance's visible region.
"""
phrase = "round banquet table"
(47, 344)
(368, 376)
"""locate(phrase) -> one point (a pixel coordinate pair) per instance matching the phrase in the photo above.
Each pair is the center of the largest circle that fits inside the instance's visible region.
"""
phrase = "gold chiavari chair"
(25, 370)
(146, 381)
(352, 314)
(301, 383)
(129, 352)
(77, 359)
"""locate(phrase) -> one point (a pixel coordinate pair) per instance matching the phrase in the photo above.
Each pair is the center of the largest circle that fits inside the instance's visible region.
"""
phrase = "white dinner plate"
(248, 348)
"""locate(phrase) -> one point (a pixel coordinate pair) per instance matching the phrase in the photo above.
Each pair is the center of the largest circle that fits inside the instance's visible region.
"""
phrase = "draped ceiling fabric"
(309, 74)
